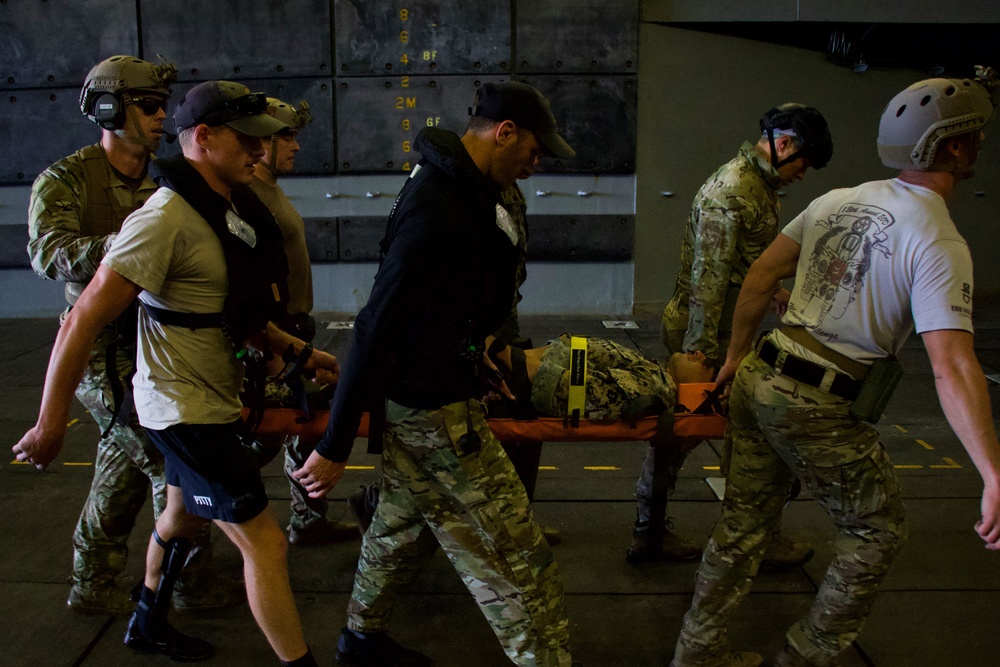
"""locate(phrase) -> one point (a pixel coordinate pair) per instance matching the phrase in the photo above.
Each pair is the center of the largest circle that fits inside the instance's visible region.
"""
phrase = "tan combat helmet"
(295, 119)
(916, 121)
(114, 82)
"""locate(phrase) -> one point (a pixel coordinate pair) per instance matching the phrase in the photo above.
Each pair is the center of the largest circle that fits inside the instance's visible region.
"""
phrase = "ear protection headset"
(108, 111)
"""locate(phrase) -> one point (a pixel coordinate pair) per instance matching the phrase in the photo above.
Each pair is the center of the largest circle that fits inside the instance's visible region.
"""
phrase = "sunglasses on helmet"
(251, 104)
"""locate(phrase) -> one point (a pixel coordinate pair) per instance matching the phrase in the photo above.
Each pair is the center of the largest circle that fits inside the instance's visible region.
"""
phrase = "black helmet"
(810, 129)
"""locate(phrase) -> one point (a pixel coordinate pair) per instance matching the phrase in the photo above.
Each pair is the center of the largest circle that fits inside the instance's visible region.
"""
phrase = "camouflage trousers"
(127, 464)
(617, 378)
(674, 340)
(780, 428)
(436, 491)
(306, 511)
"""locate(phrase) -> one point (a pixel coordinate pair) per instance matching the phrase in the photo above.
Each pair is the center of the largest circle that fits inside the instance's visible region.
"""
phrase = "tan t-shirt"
(183, 376)
(293, 229)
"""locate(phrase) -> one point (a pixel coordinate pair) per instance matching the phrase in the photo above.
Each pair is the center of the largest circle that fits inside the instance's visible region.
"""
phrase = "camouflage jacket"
(77, 207)
(734, 217)
(513, 200)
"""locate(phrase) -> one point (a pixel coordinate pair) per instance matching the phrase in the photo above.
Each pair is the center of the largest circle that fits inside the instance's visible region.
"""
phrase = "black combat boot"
(375, 649)
(148, 630)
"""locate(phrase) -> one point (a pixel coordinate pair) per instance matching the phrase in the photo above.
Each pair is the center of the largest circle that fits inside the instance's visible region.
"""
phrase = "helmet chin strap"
(139, 139)
(774, 151)
(271, 166)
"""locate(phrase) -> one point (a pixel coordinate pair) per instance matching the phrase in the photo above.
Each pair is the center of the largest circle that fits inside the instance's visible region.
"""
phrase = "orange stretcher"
(678, 432)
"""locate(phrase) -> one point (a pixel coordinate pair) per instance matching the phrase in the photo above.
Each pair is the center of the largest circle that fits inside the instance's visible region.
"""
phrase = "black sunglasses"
(150, 105)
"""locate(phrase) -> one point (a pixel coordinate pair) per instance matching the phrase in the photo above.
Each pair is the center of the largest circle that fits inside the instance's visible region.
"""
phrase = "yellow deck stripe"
(925, 445)
(951, 464)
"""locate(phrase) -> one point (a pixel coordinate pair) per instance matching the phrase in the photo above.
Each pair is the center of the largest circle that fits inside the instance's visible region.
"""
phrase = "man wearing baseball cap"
(201, 232)
(446, 281)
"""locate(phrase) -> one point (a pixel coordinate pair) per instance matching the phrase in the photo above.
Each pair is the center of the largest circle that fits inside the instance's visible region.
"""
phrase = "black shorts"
(217, 473)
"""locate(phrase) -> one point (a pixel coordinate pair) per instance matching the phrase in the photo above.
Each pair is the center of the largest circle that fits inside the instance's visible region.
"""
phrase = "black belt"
(808, 372)
(176, 318)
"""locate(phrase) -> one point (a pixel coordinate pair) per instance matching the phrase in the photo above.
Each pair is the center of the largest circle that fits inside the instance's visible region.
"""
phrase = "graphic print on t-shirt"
(855, 235)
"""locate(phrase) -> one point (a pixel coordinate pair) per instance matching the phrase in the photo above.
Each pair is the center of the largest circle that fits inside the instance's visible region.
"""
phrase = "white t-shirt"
(188, 376)
(876, 260)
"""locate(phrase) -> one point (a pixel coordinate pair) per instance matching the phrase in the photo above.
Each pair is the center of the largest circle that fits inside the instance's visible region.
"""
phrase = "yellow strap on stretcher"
(577, 404)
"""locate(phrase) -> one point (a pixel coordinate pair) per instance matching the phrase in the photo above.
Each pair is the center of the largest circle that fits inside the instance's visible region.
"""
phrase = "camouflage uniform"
(734, 217)
(77, 207)
(473, 504)
(617, 380)
(513, 200)
(778, 429)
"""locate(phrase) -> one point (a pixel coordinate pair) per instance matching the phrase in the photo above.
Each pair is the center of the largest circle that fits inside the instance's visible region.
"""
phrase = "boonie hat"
(226, 103)
(527, 108)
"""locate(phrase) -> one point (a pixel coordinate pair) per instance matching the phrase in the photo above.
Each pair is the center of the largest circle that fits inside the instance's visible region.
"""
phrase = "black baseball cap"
(227, 103)
(525, 107)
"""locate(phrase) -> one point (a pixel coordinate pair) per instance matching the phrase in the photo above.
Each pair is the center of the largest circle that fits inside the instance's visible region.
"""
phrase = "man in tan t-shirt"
(308, 525)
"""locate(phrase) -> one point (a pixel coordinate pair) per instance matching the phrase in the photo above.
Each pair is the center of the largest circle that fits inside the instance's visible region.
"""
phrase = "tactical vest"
(102, 214)
(257, 271)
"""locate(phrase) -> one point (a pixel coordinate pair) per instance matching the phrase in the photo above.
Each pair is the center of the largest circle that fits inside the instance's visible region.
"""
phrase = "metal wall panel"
(232, 39)
(581, 238)
(38, 127)
(381, 37)
(577, 36)
(321, 239)
(597, 116)
(13, 246)
(379, 117)
(359, 237)
(56, 42)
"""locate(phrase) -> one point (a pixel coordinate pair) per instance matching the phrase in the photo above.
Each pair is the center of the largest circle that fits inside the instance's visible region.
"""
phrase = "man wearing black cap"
(200, 233)
(446, 281)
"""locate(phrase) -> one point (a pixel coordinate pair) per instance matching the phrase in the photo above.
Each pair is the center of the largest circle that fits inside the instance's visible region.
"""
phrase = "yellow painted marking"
(925, 445)
(72, 422)
(951, 464)
(547, 468)
(908, 467)
(82, 463)
(711, 467)
(601, 468)
(359, 467)
(15, 462)
(900, 428)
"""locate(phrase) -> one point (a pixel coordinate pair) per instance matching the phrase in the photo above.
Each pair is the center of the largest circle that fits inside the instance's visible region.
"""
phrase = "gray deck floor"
(939, 606)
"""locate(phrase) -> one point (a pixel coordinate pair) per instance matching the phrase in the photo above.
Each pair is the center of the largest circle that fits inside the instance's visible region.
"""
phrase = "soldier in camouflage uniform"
(733, 218)
(871, 264)
(77, 208)
(308, 525)
(620, 382)
(445, 282)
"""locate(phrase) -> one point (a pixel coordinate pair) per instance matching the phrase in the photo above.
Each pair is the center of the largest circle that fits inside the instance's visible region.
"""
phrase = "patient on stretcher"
(620, 383)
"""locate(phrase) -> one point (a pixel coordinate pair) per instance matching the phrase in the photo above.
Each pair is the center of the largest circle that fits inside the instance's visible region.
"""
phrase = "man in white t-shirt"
(871, 263)
(201, 233)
